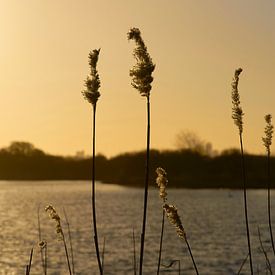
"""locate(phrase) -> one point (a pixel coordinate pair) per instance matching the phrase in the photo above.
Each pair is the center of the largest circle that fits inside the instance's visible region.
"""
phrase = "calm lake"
(213, 220)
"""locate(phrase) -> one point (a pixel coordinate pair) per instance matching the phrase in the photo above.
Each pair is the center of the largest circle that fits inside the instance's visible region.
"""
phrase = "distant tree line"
(186, 167)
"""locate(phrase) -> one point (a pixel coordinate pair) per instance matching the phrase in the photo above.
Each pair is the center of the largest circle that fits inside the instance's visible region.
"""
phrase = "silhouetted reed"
(237, 115)
(59, 231)
(162, 182)
(172, 215)
(134, 252)
(70, 240)
(142, 78)
(43, 259)
(103, 254)
(28, 266)
(242, 265)
(267, 141)
(91, 94)
(267, 262)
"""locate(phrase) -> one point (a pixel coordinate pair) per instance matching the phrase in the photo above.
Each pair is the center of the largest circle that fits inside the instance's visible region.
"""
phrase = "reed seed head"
(162, 182)
(173, 217)
(267, 140)
(237, 112)
(141, 73)
(42, 244)
(54, 216)
(92, 83)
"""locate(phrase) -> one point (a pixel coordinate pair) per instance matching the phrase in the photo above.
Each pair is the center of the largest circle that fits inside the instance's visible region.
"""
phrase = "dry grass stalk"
(237, 115)
(91, 94)
(142, 78)
(59, 231)
(70, 240)
(267, 141)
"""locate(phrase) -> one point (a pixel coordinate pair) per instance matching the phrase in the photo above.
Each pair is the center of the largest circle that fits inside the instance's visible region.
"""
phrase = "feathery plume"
(162, 182)
(141, 73)
(267, 140)
(237, 112)
(173, 217)
(92, 82)
(54, 216)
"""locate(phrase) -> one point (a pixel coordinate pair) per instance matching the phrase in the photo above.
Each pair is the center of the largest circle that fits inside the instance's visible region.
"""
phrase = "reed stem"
(70, 240)
(161, 238)
(191, 255)
(269, 202)
(40, 239)
(134, 252)
(93, 195)
(66, 252)
(145, 187)
(245, 205)
(103, 254)
(28, 266)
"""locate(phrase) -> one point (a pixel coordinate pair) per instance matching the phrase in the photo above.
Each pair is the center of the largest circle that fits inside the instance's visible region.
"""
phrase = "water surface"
(213, 220)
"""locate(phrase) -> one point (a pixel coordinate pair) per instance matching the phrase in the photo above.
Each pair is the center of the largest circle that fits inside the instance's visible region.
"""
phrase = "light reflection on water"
(213, 220)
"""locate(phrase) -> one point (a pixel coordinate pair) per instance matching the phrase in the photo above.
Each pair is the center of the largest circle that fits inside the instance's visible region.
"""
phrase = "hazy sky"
(196, 46)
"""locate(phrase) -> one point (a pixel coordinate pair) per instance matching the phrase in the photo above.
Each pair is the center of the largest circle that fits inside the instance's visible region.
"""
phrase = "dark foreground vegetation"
(22, 161)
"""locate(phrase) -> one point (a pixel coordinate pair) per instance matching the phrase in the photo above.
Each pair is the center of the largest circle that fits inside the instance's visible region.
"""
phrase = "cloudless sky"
(196, 46)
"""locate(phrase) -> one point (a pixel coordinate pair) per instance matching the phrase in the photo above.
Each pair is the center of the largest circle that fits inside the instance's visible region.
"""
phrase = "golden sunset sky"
(196, 46)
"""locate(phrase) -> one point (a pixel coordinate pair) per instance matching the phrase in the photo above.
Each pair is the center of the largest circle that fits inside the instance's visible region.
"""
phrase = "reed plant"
(142, 78)
(59, 231)
(267, 141)
(172, 215)
(42, 244)
(162, 182)
(91, 94)
(237, 115)
(70, 240)
(28, 266)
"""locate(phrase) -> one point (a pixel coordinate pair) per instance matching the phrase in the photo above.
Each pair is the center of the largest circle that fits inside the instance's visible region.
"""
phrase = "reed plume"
(267, 141)
(59, 231)
(91, 94)
(237, 115)
(173, 217)
(162, 182)
(142, 78)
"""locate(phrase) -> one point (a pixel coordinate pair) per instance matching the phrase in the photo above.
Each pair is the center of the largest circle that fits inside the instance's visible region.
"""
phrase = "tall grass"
(172, 215)
(91, 94)
(142, 78)
(237, 115)
(267, 140)
(59, 231)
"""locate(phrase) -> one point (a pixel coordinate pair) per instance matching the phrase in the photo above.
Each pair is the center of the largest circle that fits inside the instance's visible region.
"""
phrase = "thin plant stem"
(70, 240)
(243, 263)
(93, 195)
(191, 255)
(46, 259)
(28, 266)
(103, 254)
(268, 265)
(40, 239)
(145, 187)
(179, 267)
(66, 252)
(161, 238)
(268, 201)
(245, 205)
(134, 252)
